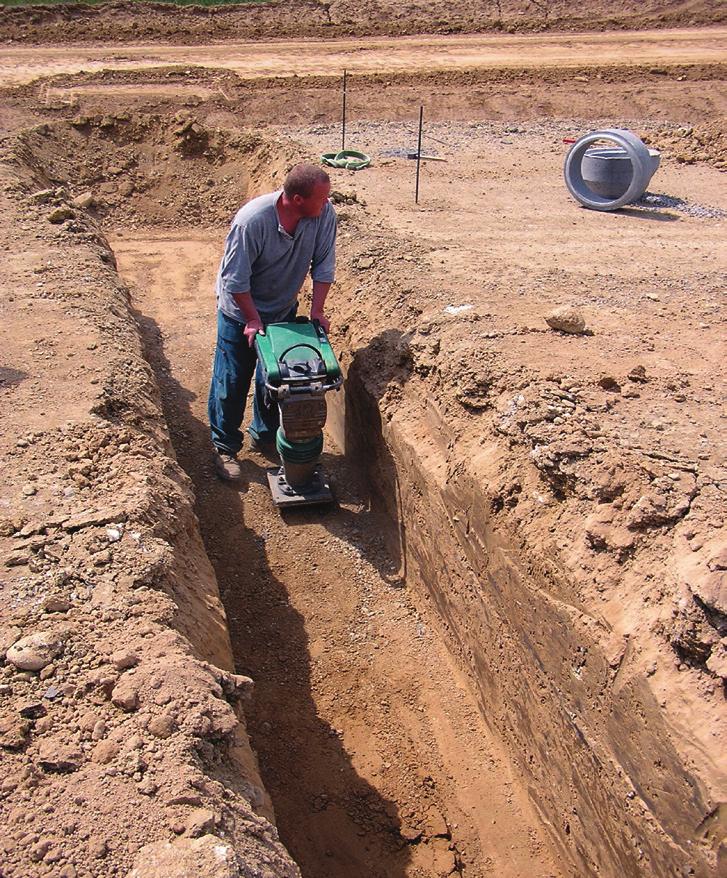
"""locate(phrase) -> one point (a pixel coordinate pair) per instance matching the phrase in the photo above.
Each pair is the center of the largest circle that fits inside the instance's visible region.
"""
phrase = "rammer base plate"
(284, 496)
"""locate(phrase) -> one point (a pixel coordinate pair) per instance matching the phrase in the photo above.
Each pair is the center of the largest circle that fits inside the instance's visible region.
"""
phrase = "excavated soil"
(130, 22)
(503, 651)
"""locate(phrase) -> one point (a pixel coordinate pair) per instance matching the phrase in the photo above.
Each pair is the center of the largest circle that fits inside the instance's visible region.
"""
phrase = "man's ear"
(298, 199)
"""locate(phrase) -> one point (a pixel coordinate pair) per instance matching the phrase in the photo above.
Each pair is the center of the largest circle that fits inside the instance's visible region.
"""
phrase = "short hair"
(303, 178)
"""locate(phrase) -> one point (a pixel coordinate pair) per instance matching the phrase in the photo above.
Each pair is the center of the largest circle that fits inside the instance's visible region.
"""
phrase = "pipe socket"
(606, 178)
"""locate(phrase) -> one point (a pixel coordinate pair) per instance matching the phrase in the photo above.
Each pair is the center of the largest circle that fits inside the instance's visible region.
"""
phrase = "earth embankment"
(121, 710)
(122, 22)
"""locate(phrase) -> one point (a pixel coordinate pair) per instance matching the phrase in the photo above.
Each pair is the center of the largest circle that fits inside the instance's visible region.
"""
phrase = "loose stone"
(567, 319)
(34, 652)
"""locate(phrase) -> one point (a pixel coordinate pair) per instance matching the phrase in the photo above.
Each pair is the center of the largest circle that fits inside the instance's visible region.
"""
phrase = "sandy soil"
(598, 457)
(128, 22)
(285, 58)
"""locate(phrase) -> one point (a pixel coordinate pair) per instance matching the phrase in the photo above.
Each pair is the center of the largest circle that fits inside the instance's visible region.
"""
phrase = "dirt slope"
(119, 708)
(130, 22)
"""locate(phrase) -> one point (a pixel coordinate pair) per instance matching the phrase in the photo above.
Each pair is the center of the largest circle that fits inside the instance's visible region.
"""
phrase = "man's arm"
(320, 291)
(253, 323)
(323, 265)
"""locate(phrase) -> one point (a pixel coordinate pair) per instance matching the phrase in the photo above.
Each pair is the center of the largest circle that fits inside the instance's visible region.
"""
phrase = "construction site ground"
(417, 710)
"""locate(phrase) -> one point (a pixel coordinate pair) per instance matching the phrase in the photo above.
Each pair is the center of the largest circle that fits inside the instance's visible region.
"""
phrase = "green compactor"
(299, 368)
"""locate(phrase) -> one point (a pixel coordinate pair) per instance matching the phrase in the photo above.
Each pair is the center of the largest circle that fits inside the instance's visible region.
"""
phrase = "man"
(274, 242)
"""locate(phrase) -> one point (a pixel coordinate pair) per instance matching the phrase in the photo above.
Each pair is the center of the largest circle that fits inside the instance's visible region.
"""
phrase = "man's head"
(307, 187)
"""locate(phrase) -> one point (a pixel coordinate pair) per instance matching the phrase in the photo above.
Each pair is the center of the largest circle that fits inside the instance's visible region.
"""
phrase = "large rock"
(84, 201)
(34, 652)
(206, 857)
(60, 215)
(567, 319)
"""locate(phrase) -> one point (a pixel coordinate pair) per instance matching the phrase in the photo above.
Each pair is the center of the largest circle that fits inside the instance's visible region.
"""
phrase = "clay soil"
(402, 725)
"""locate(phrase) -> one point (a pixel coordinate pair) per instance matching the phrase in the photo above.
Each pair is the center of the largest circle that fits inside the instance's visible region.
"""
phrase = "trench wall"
(593, 748)
(101, 553)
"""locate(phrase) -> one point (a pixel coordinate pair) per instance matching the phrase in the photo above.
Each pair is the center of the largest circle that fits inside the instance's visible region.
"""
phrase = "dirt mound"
(130, 22)
(504, 457)
(704, 142)
(151, 169)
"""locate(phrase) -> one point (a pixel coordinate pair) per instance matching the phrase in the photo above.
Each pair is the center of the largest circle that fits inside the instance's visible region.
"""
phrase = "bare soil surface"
(129, 22)
(417, 55)
(120, 724)
(448, 726)
(375, 769)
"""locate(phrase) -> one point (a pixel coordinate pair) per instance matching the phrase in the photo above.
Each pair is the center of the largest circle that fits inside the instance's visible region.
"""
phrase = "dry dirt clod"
(8, 635)
(32, 710)
(608, 382)
(638, 375)
(162, 726)
(123, 659)
(39, 850)
(99, 730)
(199, 822)
(105, 752)
(54, 604)
(55, 756)
(147, 787)
(98, 848)
(717, 662)
(125, 695)
(14, 732)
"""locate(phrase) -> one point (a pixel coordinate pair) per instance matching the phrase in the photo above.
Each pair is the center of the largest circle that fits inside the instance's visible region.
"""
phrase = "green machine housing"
(299, 368)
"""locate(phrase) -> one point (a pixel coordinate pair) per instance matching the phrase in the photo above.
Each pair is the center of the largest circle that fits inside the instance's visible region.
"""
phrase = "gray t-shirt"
(260, 256)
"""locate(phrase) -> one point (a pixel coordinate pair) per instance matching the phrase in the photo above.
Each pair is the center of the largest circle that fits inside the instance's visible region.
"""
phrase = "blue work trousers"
(234, 365)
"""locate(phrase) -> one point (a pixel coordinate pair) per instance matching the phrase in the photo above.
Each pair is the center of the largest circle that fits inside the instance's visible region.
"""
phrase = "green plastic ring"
(348, 159)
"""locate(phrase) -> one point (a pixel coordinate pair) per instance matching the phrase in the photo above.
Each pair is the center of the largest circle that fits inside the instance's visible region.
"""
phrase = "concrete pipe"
(609, 178)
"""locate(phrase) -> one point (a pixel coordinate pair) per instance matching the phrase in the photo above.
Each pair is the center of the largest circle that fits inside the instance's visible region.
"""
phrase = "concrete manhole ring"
(643, 165)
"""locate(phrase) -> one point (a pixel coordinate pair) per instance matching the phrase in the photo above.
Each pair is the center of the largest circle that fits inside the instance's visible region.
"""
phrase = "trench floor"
(370, 743)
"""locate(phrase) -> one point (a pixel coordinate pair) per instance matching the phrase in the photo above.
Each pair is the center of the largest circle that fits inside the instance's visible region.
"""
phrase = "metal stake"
(343, 125)
(419, 154)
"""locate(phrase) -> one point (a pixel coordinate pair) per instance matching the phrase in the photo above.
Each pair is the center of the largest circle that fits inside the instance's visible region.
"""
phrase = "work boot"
(227, 466)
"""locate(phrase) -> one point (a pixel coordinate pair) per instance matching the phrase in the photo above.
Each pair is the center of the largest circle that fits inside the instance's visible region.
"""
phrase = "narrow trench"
(369, 741)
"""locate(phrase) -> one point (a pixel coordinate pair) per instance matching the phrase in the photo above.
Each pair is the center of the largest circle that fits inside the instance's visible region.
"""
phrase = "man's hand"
(252, 327)
(322, 319)
(253, 323)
